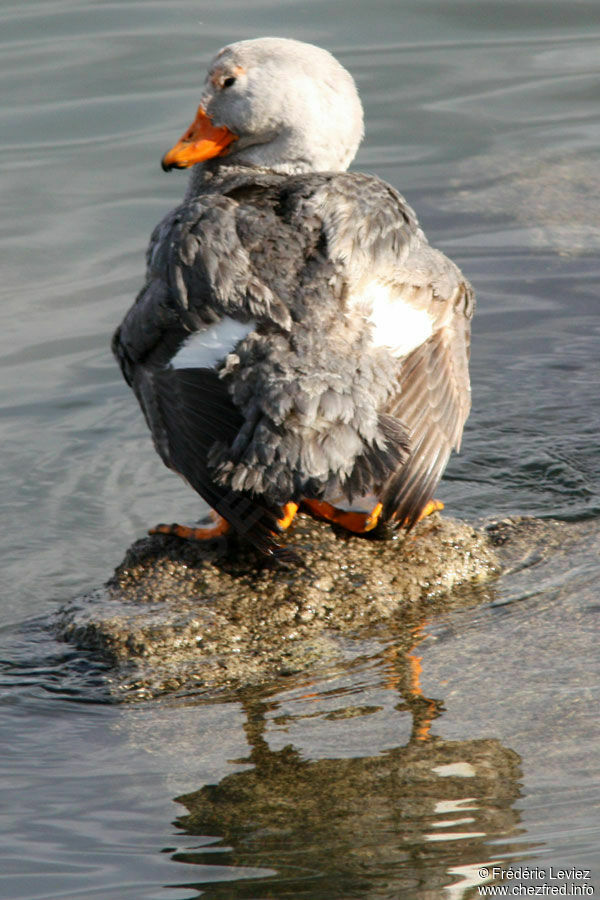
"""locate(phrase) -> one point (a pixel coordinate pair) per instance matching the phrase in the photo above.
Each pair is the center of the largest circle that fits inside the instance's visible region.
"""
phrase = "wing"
(198, 271)
(199, 275)
(434, 401)
(419, 307)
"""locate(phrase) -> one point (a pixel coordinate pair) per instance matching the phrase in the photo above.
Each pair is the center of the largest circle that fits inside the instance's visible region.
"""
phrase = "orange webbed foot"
(429, 508)
(289, 514)
(220, 527)
(355, 522)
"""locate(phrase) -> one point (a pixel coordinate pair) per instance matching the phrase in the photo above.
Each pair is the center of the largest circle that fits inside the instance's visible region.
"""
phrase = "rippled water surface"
(485, 115)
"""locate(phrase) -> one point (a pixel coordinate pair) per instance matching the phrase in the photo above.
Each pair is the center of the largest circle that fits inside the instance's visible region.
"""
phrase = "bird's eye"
(227, 82)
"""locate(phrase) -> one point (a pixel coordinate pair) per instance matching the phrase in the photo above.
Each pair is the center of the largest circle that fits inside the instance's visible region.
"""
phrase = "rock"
(182, 615)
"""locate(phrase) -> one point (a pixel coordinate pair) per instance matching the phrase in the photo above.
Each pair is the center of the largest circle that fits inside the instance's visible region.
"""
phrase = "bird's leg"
(357, 522)
(220, 527)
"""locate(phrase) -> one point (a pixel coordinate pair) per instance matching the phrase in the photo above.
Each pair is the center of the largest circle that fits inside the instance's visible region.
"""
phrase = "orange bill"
(201, 141)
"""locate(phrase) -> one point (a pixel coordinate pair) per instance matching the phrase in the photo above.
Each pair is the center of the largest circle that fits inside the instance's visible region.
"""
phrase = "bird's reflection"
(414, 821)
(404, 674)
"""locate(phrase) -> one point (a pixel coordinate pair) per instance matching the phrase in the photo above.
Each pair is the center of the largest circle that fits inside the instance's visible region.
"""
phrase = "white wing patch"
(397, 324)
(204, 349)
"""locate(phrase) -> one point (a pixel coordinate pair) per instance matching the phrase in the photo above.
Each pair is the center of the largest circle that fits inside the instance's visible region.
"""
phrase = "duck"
(297, 343)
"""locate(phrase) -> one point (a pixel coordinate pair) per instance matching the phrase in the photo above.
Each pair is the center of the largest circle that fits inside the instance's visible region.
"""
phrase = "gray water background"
(485, 114)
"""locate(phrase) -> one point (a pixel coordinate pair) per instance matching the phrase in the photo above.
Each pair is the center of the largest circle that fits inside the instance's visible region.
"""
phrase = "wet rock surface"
(179, 616)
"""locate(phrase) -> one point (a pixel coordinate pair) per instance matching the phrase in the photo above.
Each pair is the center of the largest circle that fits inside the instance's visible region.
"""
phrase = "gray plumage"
(331, 392)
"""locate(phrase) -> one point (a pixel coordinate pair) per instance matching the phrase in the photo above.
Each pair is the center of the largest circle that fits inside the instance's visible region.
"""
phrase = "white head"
(277, 104)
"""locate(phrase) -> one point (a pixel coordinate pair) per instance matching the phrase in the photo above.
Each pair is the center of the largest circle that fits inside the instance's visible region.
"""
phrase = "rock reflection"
(414, 821)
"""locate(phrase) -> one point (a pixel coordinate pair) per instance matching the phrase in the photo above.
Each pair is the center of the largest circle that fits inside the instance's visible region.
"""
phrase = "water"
(485, 115)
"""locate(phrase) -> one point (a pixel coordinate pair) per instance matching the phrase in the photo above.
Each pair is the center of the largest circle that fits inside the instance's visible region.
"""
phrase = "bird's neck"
(209, 176)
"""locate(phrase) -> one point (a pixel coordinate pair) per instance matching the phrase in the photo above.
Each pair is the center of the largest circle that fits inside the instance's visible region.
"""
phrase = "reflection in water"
(411, 821)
